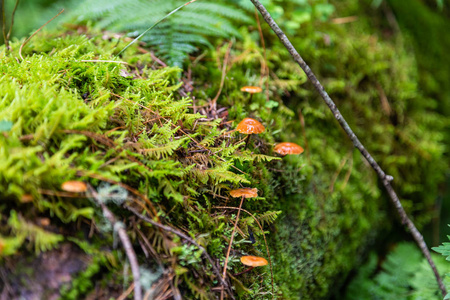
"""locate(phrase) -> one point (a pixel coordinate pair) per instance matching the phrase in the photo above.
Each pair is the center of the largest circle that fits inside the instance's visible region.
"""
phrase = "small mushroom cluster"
(251, 126)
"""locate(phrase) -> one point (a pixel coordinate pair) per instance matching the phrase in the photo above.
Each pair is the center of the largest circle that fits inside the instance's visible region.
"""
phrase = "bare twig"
(28, 39)
(386, 179)
(125, 242)
(190, 240)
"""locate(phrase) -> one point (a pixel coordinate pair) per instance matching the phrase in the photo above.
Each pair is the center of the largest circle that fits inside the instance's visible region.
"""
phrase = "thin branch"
(28, 39)
(125, 242)
(190, 240)
(386, 179)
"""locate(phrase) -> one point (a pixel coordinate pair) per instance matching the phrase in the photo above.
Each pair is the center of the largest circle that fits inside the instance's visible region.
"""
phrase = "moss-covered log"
(71, 110)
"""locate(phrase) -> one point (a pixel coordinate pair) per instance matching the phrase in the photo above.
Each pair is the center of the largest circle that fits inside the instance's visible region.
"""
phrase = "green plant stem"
(386, 179)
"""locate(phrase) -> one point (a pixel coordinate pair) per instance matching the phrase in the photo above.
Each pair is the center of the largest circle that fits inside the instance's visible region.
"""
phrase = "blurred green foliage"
(403, 274)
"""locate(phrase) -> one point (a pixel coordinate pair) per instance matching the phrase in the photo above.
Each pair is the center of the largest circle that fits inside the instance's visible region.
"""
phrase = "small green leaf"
(5, 125)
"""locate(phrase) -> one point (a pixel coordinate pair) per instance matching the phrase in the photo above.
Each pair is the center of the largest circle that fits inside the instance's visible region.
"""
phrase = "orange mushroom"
(251, 89)
(250, 126)
(26, 198)
(252, 261)
(74, 186)
(244, 192)
(288, 148)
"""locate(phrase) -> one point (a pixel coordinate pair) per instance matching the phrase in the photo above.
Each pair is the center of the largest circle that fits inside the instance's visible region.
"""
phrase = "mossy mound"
(71, 110)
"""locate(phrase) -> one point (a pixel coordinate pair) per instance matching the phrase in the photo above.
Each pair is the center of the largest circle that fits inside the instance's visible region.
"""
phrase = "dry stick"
(224, 274)
(125, 242)
(190, 240)
(386, 179)
(28, 39)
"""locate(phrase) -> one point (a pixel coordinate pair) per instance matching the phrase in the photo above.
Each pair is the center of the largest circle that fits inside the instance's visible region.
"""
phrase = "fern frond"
(175, 37)
(268, 217)
(263, 158)
(198, 292)
(163, 151)
(42, 240)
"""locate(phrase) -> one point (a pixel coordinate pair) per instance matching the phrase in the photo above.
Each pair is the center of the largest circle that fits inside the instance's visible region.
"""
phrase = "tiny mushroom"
(244, 192)
(26, 198)
(288, 148)
(251, 89)
(250, 126)
(252, 261)
(74, 186)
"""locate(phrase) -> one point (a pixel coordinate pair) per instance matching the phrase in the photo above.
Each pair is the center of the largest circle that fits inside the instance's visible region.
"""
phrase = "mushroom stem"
(243, 272)
(229, 246)
(246, 142)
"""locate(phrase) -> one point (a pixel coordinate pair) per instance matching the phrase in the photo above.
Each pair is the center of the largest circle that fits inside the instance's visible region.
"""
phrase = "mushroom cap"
(251, 89)
(26, 198)
(288, 148)
(74, 186)
(249, 126)
(246, 192)
(253, 261)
